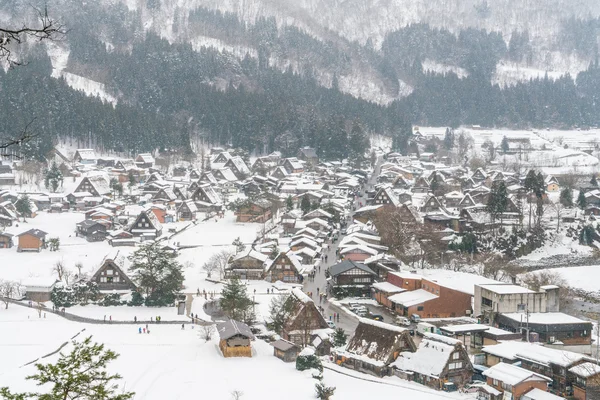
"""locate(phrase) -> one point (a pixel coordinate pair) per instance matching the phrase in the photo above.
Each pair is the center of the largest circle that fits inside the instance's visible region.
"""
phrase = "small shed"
(285, 350)
(235, 339)
(32, 240)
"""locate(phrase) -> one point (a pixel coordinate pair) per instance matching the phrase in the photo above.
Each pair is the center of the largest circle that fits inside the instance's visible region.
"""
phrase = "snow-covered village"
(421, 276)
(299, 199)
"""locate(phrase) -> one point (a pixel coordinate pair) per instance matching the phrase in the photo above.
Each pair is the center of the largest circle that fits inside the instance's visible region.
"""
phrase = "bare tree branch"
(48, 29)
(25, 136)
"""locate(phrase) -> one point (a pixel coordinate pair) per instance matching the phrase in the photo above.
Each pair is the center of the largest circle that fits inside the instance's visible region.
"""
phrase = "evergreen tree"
(131, 180)
(289, 203)
(504, 146)
(498, 200)
(581, 200)
(339, 337)
(566, 197)
(235, 302)
(449, 139)
(305, 204)
(53, 178)
(594, 181)
(81, 374)
(358, 144)
(23, 206)
(239, 246)
(157, 273)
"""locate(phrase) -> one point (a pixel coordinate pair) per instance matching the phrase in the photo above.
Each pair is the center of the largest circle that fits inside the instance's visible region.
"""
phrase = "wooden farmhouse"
(111, 277)
(187, 211)
(147, 225)
(438, 360)
(374, 346)
(305, 322)
(235, 339)
(96, 185)
(255, 211)
(285, 268)
(248, 264)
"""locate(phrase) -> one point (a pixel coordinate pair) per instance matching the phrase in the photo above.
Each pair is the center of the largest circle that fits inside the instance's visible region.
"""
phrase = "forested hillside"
(243, 75)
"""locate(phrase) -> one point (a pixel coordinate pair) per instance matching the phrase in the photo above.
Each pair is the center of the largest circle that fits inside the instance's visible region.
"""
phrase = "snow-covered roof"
(554, 318)
(231, 328)
(252, 254)
(465, 328)
(536, 353)
(358, 248)
(585, 369)
(430, 359)
(512, 375)
(388, 287)
(228, 174)
(301, 296)
(538, 394)
(412, 298)
(505, 288)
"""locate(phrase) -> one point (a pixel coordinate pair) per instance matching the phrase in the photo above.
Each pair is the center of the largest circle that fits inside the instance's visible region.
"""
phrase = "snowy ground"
(208, 237)
(171, 363)
(548, 152)
(585, 278)
(126, 313)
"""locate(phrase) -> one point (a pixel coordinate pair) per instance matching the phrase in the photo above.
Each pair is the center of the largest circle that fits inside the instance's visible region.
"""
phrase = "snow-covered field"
(546, 152)
(209, 237)
(585, 278)
(171, 363)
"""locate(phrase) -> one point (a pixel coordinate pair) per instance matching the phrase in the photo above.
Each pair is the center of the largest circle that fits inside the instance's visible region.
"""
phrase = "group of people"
(144, 329)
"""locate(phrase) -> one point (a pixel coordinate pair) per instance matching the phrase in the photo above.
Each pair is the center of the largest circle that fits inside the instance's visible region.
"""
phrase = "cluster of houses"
(448, 197)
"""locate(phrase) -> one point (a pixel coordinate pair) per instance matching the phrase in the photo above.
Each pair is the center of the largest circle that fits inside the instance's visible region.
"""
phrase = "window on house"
(495, 382)
(456, 356)
(420, 308)
(486, 302)
(521, 307)
(455, 365)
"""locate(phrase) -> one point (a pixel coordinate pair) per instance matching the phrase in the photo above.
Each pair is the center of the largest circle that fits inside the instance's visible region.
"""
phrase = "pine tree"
(23, 206)
(235, 302)
(449, 139)
(504, 145)
(239, 246)
(81, 374)
(305, 204)
(53, 178)
(157, 273)
(131, 180)
(581, 200)
(358, 144)
(339, 337)
(566, 197)
(289, 203)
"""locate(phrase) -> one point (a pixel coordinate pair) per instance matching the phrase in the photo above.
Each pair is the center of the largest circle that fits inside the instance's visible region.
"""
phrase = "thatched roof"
(379, 341)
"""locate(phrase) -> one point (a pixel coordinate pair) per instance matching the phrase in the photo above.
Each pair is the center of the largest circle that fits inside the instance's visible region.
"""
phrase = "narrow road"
(319, 283)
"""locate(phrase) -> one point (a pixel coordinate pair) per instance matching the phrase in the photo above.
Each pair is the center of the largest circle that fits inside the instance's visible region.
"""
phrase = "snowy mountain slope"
(340, 23)
(59, 56)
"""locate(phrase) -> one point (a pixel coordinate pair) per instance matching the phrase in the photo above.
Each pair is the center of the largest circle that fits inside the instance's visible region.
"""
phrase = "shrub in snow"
(136, 299)
(324, 392)
(112, 299)
(62, 296)
(339, 337)
(308, 362)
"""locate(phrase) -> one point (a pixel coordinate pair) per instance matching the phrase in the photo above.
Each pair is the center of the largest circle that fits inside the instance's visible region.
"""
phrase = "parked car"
(376, 317)
(415, 318)
(402, 321)
(331, 324)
